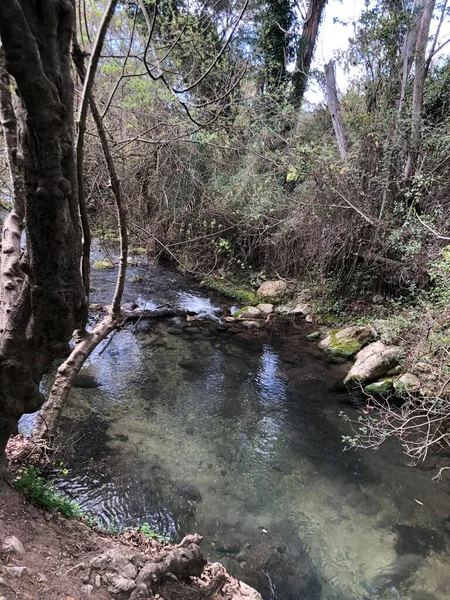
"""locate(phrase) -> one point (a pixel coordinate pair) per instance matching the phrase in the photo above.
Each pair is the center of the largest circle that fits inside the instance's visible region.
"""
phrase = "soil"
(51, 560)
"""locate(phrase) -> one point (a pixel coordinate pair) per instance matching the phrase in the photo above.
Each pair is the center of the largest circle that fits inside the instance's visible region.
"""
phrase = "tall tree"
(42, 298)
(275, 19)
(305, 50)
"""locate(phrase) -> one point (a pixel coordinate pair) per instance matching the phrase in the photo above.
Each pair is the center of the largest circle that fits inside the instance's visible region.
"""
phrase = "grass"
(227, 288)
(40, 491)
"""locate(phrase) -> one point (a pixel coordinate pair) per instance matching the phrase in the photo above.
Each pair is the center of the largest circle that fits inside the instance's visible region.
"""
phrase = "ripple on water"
(199, 433)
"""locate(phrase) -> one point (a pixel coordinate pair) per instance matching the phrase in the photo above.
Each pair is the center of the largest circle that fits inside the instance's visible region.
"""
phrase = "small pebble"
(98, 581)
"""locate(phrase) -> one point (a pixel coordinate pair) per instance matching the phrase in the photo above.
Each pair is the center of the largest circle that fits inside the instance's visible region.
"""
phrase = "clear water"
(192, 430)
(189, 428)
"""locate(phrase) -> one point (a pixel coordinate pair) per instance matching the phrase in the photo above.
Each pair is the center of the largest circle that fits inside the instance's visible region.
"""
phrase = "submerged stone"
(84, 380)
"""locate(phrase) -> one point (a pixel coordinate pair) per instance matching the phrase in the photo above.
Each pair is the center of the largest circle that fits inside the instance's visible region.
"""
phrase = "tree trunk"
(420, 63)
(333, 106)
(42, 298)
(409, 48)
(305, 50)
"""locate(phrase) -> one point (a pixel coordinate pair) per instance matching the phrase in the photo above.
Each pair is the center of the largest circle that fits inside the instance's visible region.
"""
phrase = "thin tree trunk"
(333, 106)
(88, 84)
(409, 48)
(419, 81)
(305, 50)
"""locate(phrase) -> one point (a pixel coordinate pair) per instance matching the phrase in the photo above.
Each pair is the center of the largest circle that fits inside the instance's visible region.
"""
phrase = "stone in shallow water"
(188, 491)
(86, 381)
(418, 540)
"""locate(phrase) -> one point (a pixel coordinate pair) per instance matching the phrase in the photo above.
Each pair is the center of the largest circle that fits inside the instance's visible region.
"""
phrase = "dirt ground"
(44, 556)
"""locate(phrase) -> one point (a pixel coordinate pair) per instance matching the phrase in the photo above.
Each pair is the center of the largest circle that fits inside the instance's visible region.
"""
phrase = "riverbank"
(44, 556)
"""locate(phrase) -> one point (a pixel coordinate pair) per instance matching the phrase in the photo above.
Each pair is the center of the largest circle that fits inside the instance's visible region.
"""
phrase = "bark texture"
(333, 107)
(305, 51)
(420, 65)
(42, 298)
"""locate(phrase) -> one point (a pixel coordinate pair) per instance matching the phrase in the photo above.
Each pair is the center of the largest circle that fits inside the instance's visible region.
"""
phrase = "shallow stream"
(188, 427)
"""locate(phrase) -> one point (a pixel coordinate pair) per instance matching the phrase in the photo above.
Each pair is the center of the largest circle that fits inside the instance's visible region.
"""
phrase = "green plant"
(146, 530)
(30, 482)
(440, 275)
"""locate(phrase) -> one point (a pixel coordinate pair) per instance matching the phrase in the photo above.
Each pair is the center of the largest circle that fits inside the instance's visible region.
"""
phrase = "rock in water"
(345, 343)
(383, 386)
(86, 381)
(266, 309)
(372, 363)
(272, 289)
(248, 312)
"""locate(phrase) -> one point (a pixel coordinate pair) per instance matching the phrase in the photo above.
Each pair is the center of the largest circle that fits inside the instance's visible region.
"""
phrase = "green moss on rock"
(247, 297)
(103, 264)
(383, 386)
(343, 347)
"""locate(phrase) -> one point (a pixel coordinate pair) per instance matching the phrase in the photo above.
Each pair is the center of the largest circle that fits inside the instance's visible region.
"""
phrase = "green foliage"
(30, 482)
(146, 530)
(440, 275)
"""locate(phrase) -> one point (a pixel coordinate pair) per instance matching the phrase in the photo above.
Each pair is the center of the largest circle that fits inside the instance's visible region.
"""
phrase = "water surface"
(189, 428)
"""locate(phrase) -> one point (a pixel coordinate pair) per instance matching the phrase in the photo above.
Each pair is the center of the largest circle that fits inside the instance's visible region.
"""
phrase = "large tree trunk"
(305, 51)
(42, 298)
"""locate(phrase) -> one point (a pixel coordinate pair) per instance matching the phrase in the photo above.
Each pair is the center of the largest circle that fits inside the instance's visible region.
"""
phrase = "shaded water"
(189, 428)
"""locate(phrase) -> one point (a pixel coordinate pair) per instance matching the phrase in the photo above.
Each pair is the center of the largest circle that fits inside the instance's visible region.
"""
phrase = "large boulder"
(272, 289)
(372, 363)
(345, 343)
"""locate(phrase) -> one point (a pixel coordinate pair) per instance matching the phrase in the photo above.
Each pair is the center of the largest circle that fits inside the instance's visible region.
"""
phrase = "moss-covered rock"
(383, 386)
(407, 383)
(372, 363)
(248, 312)
(103, 264)
(345, 343)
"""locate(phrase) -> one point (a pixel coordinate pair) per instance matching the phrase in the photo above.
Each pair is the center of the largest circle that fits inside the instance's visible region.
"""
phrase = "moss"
(380, 387)
(343, 347)
(141, 251)
(136, 279)
(247, 297)
(103, 264)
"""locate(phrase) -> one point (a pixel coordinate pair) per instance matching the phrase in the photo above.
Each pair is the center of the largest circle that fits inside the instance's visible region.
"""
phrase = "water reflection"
(186, 430)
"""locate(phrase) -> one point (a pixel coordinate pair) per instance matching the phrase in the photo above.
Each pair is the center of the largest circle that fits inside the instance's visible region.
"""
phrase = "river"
(188, 427)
